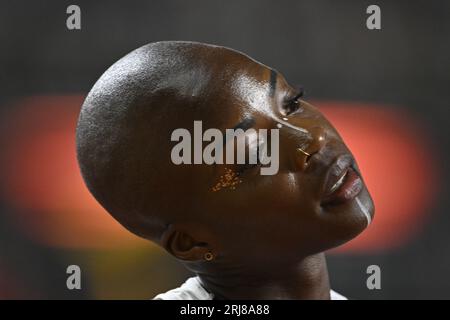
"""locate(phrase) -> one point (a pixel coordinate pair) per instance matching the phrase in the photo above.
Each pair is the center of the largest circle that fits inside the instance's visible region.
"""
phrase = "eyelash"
(288, 106)
(248, 166)
(293, 104)
(245, 167)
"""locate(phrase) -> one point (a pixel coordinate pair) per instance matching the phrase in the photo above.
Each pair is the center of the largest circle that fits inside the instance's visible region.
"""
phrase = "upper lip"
(335, 171)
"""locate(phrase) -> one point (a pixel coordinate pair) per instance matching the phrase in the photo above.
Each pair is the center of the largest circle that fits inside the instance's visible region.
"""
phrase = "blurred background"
(386, 91)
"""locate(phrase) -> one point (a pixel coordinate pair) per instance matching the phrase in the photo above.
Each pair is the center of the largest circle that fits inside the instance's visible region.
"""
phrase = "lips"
(342, 182)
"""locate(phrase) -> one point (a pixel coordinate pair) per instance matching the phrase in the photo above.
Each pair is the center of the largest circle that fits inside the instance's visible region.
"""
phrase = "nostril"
(307, 159)
(307, 149)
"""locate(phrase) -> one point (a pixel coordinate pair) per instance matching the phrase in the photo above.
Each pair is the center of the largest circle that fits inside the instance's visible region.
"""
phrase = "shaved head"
(123, 133)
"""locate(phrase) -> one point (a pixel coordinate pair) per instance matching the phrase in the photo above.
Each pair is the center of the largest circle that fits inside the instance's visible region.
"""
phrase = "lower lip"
(349, 189)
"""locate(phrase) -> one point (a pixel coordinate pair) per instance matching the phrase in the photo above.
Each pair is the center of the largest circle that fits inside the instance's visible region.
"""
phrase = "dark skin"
(266, 233)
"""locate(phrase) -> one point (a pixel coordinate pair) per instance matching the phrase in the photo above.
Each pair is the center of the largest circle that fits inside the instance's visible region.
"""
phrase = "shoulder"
(336, 296)
(192, 289)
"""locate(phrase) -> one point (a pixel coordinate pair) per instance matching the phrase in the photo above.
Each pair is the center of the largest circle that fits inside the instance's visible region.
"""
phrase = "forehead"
(246, 82)
(228, 86)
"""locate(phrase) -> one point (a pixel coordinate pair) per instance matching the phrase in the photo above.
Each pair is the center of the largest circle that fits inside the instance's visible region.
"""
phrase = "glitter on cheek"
(229, 179)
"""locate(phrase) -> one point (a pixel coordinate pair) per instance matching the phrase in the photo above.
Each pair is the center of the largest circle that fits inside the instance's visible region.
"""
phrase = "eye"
(245, 167)
(248, 166)
(293, 104)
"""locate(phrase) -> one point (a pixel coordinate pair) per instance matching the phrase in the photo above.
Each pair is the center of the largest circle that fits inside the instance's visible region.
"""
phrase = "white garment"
(192, 289)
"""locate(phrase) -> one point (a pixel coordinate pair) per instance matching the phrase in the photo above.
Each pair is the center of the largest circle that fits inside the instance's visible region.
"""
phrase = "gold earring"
(208, 256)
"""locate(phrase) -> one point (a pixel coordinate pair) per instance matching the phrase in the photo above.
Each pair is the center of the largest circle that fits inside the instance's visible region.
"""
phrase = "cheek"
(268, 215)
(287, 197)
(264, 203)
(229, 180)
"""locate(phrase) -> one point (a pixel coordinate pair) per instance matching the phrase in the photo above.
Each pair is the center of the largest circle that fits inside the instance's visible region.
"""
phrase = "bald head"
(123, 133)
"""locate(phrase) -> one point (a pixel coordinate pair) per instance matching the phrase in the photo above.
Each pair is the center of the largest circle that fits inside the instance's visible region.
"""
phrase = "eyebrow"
(272, 82)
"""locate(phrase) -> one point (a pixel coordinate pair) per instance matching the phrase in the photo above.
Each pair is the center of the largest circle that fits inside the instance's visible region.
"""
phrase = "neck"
(307, 279)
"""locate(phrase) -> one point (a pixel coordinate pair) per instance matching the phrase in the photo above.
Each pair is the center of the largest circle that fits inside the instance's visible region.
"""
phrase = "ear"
(182, 243)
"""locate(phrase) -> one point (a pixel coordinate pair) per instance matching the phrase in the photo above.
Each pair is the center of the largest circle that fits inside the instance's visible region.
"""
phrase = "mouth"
(342, 183)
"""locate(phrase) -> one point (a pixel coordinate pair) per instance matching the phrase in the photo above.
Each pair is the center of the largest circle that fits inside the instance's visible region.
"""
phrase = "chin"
(345, 221)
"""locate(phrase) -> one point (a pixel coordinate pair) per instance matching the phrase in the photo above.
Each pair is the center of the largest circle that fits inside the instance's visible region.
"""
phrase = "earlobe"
(182, 245)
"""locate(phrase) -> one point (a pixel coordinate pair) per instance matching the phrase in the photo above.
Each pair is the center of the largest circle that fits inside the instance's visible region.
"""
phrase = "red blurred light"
(41, 178)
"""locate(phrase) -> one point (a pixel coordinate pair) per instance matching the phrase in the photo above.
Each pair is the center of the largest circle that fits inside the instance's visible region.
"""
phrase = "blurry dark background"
(387, 90)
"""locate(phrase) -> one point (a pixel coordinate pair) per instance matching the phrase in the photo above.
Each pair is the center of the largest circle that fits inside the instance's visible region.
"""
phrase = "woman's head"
(315, 201)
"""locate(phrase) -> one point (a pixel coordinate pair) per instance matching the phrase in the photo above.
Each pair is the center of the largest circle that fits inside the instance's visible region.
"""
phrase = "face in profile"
(316, 200)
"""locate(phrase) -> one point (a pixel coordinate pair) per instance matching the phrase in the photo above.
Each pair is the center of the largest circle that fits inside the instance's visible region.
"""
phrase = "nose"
(306, 150)
(304, 139)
